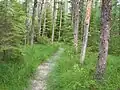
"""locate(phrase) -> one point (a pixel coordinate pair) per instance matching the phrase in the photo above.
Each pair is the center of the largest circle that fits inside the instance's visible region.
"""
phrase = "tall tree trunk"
(119, 20)
(66, 7)
(33, 22)
(72, 12)
(75, 6)
(105, 30)
(53, 25)
(40, 9)
(86, 28)
(27, 22)
(61, 9)
(44, 25)
(82, 13)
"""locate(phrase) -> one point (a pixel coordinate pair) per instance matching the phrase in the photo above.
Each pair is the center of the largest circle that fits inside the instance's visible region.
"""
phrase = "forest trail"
(40, 77)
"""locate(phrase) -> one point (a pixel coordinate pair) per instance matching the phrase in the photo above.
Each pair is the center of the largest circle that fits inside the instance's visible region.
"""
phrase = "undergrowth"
(68, 74)
(15, 76)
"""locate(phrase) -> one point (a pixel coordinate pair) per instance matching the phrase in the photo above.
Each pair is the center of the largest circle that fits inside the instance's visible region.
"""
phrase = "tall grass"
(15, 76)
(68, 74)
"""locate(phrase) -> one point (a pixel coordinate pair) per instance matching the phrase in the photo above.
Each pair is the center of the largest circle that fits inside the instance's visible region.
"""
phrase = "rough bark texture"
(53, 26)
(105, 29)
(40, 8)
(75, 8)
(33, 22)
(86, 28)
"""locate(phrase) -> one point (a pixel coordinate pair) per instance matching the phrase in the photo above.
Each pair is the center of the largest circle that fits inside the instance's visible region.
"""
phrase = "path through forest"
(40, 77)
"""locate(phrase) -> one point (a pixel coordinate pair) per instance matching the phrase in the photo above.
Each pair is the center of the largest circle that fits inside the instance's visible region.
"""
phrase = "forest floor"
(40, 77)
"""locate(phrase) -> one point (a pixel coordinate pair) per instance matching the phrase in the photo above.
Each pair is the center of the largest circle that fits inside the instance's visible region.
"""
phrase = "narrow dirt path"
(39, 80)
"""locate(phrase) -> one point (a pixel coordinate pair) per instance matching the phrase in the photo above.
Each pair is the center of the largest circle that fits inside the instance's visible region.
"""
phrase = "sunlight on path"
(39, 80)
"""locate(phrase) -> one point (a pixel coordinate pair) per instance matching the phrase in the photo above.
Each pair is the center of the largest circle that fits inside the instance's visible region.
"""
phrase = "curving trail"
(40, 77)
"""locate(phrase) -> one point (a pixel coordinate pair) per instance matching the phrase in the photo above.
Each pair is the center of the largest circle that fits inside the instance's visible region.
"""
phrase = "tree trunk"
(27, 22)
(66, 7)
(72, 12)
(82, 13)
(53, 25)
(119, 20)
(105, 29)
(33, 22)
(86, 28)
(44, 25)
(75, 6)
(60, 21)
(40, 8)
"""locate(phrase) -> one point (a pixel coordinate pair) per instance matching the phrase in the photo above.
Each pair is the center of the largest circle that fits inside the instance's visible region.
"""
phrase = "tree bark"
(61, 9)
(45, 18)
(27, 38)
(104, 38)
(86, 28)
(82, 13)
(33, 22)
(75, 8)
(119, 20)
(40, 9)
(53, 25)
(66, 7)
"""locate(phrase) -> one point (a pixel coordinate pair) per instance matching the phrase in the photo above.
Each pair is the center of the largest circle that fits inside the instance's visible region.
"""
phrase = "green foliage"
(114, 47)
(94, 32)
(43, 40)
(11, 54)
(17, 63)
(48, 28)
(48, 22)
(12, 30)
(68, 74)
(67, 34)
(12, 23)
(15, 76)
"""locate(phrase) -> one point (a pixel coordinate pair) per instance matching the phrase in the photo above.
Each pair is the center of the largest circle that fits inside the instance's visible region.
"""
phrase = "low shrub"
(43, 40)
(12, 54)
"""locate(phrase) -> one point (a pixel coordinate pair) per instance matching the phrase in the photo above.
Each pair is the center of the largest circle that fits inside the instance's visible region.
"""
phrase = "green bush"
(13, 55)
(114, 47)
(43, 40)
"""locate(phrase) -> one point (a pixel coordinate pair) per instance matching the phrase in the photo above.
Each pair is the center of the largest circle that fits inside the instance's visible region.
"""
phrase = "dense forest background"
(32, 30)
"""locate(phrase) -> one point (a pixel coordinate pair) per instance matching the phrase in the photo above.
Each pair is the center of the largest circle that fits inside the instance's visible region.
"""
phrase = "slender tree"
(82, 13)
(61, 13)
(44, 25)
(86, 28)
(53, 26)
(40, 9)
(104, 38)
(33, 22)
(119, 17)
(28, 21)
(75, 17)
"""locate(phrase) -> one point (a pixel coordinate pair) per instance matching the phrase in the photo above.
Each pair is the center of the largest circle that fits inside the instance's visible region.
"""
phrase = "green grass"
(16, 76)
(68, 74)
